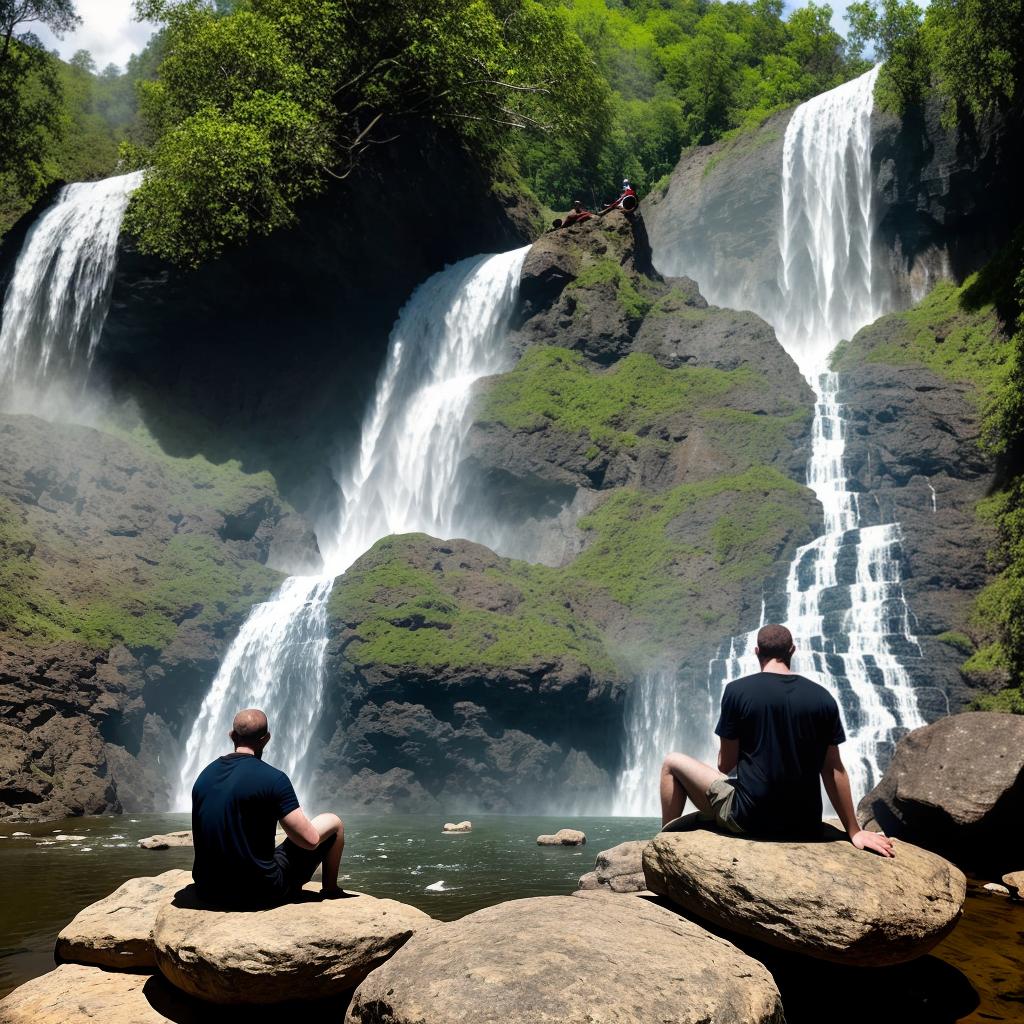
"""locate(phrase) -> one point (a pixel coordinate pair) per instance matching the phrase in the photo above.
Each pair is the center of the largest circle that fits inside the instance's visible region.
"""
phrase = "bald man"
(237, 802)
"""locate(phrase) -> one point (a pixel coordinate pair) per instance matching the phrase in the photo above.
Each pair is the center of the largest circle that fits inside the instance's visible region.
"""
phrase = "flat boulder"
(599, 959)
(117, 931)
(957, 786)
(823, 899)
(563, 837)
(80, 994)
(166, 841)
(619, 869)
(462, 826)
(310, 949)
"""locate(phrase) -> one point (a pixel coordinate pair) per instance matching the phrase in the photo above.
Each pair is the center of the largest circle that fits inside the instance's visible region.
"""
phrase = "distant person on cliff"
(237, 802)
(576, 215)
(627, 200)
(780, 732)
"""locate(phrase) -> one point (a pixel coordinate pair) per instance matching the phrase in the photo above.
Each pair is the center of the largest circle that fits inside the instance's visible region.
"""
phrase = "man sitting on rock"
(237, 802)
(780, 732)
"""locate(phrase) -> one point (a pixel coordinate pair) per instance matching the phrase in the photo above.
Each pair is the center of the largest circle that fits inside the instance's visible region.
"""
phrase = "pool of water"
(44, 882)
(976, 975)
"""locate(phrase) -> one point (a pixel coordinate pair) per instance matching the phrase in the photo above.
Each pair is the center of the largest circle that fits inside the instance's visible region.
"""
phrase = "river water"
(976, 975)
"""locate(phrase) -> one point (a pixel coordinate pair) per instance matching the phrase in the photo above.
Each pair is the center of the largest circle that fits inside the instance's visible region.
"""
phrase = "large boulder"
(957, 786)
(117, 931)
(619, 869)
(563, 837)
(166, 841)
(78, 994)
(823, 899)
(596, 960)
(315, 947)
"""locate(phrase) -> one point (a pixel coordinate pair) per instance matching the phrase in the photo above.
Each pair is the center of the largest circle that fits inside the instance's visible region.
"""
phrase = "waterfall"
(58, 298)
(844, 600)
(403, 478)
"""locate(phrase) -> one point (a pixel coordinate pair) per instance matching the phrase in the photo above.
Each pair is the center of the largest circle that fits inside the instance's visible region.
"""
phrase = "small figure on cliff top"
(237, 802)
(576, 215)
(780, 732)
(627, 200)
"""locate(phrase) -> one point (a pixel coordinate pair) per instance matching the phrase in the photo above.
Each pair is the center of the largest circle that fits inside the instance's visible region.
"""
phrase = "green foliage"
(614, 407)
(895, 29)
(413, 616)
(257, 105)
(732, 524)
(1009, 701)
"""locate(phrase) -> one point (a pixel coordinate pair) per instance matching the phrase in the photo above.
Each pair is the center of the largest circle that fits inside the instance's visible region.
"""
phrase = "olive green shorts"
(721, 794)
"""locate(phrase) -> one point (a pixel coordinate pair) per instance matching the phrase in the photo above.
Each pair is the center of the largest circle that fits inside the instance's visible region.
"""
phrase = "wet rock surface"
(826, 900)
(550, 959)
(563, 837)
(117, 931)
(957, 786)
(314, 948)
(619, 869)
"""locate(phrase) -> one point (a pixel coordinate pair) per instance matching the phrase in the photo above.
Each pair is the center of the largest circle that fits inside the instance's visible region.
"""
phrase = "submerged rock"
(314, 948)
(572, 961)
(563, 837)
(619, 869)
(957, 786)
(823, 899)
(117, 931)
(165, 842)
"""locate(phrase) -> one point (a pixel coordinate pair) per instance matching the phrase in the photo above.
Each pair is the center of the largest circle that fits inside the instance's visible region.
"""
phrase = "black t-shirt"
(236, 804)
(785, 725)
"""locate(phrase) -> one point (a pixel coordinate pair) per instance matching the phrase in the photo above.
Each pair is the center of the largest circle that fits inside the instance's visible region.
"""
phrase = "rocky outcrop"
(826, 900)
(563, 837)
(957, 786)
(166, 842)
(619, 869)
(314, 947)
(117, 931)
(457, 828)
(124, 574)
(468, 677)
(557, 958)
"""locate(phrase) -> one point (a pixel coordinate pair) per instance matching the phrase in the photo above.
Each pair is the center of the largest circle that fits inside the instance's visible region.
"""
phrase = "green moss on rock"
(605, 274)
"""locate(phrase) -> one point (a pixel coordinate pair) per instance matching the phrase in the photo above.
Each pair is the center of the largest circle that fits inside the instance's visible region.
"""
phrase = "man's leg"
(683, 776)
(330, 825)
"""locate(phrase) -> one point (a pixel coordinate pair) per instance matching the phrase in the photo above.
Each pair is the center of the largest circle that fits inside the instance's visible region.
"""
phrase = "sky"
(109, 32)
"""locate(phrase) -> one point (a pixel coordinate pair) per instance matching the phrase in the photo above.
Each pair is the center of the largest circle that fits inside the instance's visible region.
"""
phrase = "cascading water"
(58, 299)
(844, 599)
(402, 479)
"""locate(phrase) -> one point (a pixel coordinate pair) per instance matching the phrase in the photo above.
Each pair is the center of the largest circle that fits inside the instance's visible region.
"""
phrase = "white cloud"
(108, 31)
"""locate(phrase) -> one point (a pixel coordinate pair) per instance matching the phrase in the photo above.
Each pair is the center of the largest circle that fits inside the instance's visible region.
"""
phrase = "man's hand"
(876, 842)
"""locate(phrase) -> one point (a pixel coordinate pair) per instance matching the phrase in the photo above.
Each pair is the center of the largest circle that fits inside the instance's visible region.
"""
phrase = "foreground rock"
(117, 931)
(1014, 881)
(462, 826)
(563, 837)
(166, 842)
(316, 948)
(619, 869)
(826, 900)
(596, 960)
(957, 786)
(77, 994)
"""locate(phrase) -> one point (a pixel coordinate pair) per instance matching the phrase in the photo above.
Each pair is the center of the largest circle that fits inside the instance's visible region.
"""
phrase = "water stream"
(844, 598)
(403, 478)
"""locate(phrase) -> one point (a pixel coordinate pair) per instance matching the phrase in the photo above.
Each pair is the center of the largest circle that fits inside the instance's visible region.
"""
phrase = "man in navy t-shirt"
(781, 733)
(237, 802)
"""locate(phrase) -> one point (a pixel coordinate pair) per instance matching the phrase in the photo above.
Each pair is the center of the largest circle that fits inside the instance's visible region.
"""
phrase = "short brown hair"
(775, 641)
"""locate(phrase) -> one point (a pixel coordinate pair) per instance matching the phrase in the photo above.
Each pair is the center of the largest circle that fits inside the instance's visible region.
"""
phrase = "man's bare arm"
(728, 755)
(837, 785)
(300, 830)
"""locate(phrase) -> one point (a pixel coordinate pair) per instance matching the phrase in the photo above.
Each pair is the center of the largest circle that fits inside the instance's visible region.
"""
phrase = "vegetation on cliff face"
(974, 334)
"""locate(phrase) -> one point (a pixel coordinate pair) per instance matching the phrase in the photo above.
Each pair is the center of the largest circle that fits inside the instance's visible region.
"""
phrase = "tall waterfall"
(58, 298)
(403, 478)
(844, 599)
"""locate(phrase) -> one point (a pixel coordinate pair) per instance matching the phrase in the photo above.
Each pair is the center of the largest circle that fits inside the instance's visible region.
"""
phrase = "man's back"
(236, 804)
(784, 725)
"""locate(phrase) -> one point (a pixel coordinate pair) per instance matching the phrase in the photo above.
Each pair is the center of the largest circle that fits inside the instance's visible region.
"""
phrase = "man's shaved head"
(250, 724)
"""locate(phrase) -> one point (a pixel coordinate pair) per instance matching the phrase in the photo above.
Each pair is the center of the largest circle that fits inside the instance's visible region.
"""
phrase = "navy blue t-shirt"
(237, 802)
(785, 725)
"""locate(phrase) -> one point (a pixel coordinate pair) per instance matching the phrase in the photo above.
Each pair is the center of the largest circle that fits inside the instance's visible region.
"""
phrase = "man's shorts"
(721, 794)
(297, 865)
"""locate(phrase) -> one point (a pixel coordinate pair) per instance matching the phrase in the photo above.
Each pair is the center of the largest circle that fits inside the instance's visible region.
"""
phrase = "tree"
(59, 16)
(895, 29)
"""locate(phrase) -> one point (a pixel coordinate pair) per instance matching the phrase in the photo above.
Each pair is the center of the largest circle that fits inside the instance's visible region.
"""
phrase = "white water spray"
(844, 598)
(403, 479)
(58, 298)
